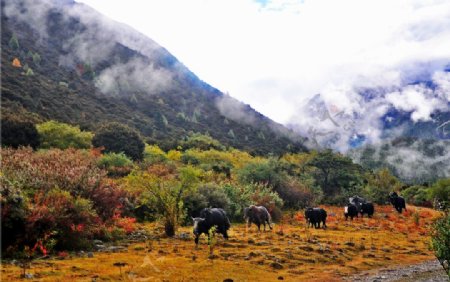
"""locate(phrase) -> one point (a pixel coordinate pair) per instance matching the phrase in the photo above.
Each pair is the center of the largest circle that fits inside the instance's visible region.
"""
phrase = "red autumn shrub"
(72, 170)
(58, 199)
(71, 220)
(109, 199)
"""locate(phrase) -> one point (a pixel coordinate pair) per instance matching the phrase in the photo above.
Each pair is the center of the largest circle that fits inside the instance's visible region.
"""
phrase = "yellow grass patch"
(290, 252)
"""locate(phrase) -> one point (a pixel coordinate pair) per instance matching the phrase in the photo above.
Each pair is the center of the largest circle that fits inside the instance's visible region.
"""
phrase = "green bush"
(243, 196)
(441, 190)
(13, 42)
(440, 242)
(60, 135)
(267, 173)
(119, 138)
(202, 142)
(417, 195)
(117, 164)
(207, 195)
(380, 184)
(16, 132)
(154, 154)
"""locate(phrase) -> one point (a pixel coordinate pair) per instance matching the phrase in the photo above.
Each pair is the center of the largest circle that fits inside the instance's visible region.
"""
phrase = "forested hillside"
(64, 61)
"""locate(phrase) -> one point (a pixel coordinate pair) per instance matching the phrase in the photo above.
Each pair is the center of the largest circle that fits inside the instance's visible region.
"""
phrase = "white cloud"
(418, 100)
(302, 47)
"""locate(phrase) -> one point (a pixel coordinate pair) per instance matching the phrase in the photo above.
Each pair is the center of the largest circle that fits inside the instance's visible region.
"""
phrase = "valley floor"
(289, 252)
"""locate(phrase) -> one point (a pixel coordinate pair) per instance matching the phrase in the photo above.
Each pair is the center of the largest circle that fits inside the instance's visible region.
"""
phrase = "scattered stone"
(368, 256)
(116, 249)
(262, 243)
(90, 254)
(351, 244)
(184, 236)
(213, 256)
(251, 241)
(297, 272)
(97, 242)
(280, 278)
(228, 280)
(276, 265)
(99, 247)
(306, 248)
(253, 254)
(28, 276)
(276, 249)
(227, 245)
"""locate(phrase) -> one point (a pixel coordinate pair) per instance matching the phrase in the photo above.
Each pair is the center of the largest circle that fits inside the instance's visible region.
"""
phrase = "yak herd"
(259, 215)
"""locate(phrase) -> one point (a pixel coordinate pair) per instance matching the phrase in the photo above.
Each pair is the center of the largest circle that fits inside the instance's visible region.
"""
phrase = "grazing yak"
(210, 217)
(397, 201)
(350, 211)
(314, 216)
(367, 208)
(257, 215)
(362, 206)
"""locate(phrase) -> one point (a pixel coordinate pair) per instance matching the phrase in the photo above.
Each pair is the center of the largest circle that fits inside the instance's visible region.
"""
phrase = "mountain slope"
(64, 61)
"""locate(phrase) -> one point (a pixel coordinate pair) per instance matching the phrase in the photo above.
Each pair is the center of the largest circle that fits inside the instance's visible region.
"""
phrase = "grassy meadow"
(289, 252)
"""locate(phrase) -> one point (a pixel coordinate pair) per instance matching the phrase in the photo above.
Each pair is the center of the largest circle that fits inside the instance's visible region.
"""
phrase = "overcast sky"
(273, 54)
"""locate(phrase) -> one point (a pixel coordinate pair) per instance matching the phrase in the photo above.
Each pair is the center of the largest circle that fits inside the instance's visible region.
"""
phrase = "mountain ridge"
(92, 69)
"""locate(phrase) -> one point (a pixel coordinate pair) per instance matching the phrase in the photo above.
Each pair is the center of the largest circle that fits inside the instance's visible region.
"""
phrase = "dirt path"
(429, 271)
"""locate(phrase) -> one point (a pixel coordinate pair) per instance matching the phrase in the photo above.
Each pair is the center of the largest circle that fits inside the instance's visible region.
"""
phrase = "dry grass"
(289, 252)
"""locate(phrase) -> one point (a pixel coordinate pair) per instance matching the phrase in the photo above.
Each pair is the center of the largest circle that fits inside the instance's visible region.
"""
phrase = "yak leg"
(196, 241)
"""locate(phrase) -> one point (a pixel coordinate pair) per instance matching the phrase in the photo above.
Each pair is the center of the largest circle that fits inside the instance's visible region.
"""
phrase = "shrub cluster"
(56, 198)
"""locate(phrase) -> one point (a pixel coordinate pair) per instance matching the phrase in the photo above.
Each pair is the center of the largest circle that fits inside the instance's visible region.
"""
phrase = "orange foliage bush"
(16, 63)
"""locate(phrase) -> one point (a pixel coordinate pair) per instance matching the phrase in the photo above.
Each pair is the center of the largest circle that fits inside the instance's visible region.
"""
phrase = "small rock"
(90, 254)
(228, 280)
(262, 243)
(29, 276)
(280, 278)
(99, 247)
(251, 241)
(116, 249)
(252, 254)
(276, 265)
(213, 256)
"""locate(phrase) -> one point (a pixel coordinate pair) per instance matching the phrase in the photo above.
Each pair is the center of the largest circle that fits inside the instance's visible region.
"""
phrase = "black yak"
(397, 201)
(210, 217)
(314, 216)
